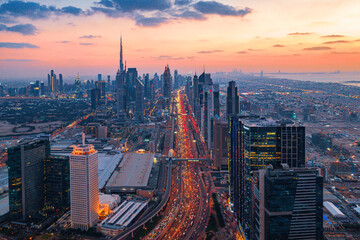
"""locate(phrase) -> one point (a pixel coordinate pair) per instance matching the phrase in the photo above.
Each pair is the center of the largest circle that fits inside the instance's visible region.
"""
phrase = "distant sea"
(336, 77)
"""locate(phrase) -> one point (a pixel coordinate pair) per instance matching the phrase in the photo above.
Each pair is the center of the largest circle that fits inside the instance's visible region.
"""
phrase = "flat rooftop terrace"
(133, 171)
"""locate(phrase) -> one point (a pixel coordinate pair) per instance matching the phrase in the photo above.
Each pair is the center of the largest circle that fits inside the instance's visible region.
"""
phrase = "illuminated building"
(84, 186)
(287, 204)
(255, 143)
(26, 178)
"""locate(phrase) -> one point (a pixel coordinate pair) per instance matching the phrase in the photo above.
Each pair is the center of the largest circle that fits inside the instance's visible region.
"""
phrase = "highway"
(187, 212)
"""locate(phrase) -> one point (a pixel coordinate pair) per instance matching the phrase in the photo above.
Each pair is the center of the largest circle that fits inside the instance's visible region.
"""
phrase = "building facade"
(287, 204)
(26, 178)
(84, 187)
(255, 143)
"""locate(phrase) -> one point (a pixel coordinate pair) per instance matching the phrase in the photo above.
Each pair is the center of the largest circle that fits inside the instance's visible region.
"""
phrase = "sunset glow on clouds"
(83, 36)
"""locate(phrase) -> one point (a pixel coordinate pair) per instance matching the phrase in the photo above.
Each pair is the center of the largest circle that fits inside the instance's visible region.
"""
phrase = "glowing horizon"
(301, 36)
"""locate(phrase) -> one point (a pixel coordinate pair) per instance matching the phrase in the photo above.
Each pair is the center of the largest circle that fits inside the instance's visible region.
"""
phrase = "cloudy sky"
(252, 35)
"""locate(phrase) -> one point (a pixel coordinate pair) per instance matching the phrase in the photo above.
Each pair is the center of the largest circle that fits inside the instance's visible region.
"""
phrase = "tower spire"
(121, 56)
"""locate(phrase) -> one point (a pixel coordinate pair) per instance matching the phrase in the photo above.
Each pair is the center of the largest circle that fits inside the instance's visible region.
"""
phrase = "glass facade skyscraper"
(26, 178)
(255, 143)
(287, 204)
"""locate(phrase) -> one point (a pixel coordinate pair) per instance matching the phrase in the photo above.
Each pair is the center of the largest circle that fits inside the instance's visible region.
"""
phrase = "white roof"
(134, 170)
(107, 165)
(334, 211)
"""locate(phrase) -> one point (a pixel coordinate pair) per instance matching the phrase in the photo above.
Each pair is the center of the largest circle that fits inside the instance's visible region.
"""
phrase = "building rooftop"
(134, 170)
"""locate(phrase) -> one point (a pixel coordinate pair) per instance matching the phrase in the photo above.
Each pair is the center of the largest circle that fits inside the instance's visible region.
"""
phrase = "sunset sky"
(251, 35)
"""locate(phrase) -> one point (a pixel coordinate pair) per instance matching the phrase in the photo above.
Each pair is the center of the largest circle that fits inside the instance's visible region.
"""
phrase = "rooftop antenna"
(83, 139)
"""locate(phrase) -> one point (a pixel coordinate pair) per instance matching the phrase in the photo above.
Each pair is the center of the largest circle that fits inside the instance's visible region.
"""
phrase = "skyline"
(301, 36)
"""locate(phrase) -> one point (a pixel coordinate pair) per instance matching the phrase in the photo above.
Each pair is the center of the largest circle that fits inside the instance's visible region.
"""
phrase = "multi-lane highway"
(187, 211)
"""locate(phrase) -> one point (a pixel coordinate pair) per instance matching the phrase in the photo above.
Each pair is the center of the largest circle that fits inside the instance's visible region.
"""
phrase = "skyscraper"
(255, 143)
(95, 97)
(287, 204)
(176, 79)
(232, 100)
(57, 182)
(121, 89)
(167, 83)
(84, 187)
(216, 100)
(26, 178)
(139, 101)
(220, 149)
(61, 83)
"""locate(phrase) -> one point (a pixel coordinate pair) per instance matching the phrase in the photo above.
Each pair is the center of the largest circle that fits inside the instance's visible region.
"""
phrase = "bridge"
(191, 160)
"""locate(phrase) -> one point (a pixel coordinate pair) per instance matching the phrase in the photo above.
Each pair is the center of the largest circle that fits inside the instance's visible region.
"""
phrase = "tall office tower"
(108, 81)
(196, 100)
(42, 88)
(49, 83)
(121, 66)
(232, 100)
(287, 204)
(189, 90)
(216, 100)
(95, 98)
(147, 86)
(139, 101)
(26, 178)
(255, 143)
(101, 85)
(176, 79)
(57, 182)
(157, 81)
(131, 79)
(52, 81)
(167, 83)
(220, 140)
(99, 77)
(61, 83)
(84, 187)
(205, 113)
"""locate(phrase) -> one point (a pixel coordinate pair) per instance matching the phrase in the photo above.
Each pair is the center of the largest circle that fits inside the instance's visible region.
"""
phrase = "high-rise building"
(99, 77)
(49, 83)
(147, 86)
(57, 182)
(176, 79)
(220, 140)
(84, 187)
(95, 98)
(26, 178)
(167, 83)
(216, 100)
(42, 88)
(139, 101)
(108, 81)
(232, 100)
(287, 204)
(61, 83)
(101, 85)
(121, 89)
(255, 143)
